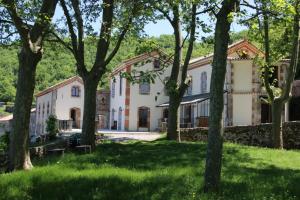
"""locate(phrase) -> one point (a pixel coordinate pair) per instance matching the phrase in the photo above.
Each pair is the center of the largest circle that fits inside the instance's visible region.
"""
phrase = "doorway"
(75, 117)
(120, 119)
(144, 118)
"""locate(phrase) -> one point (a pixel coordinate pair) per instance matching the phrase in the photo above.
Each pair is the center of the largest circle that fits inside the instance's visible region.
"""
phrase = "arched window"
(121, 84)
(156, 64)
(143, 117)
(120, 119)
(190, 88)
(165, 87)
(75, 91)
(48, 108)
(203, 82)
(39, 110)
(113, 122)
(144, 88)
(43, 109)
(113, 88)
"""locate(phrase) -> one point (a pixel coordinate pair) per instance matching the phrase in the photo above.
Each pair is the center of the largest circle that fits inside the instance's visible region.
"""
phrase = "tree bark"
(172, 132)
(278, 102)
(277, 139)
(19, 157)
(215, 132)
(89, 112)
(173, 81)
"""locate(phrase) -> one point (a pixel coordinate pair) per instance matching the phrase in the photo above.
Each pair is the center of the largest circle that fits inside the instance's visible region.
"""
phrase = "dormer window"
(156, 64)
(75, 91)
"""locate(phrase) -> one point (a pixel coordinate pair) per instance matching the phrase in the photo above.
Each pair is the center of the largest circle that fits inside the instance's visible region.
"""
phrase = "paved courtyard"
(119, 136)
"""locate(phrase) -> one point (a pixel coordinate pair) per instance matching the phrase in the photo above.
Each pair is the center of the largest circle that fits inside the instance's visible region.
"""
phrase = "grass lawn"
(157, 170)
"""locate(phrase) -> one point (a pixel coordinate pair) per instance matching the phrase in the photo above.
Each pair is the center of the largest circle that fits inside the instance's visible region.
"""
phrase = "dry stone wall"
(257, 135)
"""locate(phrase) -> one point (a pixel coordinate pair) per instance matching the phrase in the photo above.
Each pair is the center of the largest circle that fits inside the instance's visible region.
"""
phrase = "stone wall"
(256, 135)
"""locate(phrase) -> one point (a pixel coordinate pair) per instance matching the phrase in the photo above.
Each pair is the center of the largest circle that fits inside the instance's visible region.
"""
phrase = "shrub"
(75, 139)
(52, 127)
(4, 141)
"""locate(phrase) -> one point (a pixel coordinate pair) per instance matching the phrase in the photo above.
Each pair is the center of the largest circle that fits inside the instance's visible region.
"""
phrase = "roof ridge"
(53, 87)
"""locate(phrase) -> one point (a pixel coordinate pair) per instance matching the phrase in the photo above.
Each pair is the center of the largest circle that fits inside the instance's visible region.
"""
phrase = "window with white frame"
(204, 108)
(144, 88)
(75, 91)
(165, 86)
(189, 90)
(39, 110)
(43, 109)
(113, 88)
(156, 64)
(121, 84)
(203, 82)
(48, 108)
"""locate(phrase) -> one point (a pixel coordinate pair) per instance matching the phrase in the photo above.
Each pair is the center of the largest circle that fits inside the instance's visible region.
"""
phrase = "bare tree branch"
(60, 40)
(70, 27)
(189, 51)
(18, 22)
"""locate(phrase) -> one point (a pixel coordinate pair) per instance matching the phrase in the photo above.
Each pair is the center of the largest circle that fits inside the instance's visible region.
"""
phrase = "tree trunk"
(19, 157)
(89, 112)
(215, 132)
(277, 139)
(172, 132)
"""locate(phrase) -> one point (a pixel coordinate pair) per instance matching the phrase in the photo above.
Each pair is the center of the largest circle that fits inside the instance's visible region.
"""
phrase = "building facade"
(65, 101)
(133, 107)
(144, 107)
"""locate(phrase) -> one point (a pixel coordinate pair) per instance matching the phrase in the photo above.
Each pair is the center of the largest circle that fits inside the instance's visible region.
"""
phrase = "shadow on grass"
(139, 155)
(156, 170)
(113, 188)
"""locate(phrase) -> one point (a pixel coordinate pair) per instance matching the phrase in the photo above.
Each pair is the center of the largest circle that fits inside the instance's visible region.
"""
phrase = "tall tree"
(213, 165)
(181, 15)
(278, 15)
(31, 33)
(117, 18)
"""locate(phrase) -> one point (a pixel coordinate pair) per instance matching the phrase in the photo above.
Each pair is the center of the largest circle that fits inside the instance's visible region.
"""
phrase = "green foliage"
(4, 142)
(52, 126)
(58, 63)
(159, 170)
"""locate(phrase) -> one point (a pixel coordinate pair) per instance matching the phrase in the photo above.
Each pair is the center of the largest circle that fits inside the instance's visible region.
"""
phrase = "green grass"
(3, 113)
(157, 170)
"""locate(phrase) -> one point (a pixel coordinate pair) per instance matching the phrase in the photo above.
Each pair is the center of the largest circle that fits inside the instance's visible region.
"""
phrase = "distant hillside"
(58, 64)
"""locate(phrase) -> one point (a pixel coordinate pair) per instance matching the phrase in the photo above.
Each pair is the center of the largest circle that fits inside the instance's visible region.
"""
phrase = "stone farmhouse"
(144, 106)
(65, 100)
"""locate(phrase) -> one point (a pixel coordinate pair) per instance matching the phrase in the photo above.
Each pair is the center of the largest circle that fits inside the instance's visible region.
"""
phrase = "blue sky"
(164, 27)
(161, 27)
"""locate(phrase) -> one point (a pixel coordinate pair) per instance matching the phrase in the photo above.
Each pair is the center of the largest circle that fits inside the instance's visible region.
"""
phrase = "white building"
(65, 101)
(133, 107)
(144, 107)
(6, 123)
(140, 107)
